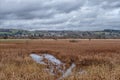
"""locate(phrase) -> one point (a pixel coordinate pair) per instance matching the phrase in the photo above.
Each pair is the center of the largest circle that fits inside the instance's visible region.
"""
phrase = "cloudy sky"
(60, 14)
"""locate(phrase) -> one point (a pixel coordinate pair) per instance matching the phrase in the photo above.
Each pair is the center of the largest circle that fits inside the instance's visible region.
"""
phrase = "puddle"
(52, 59)
(37, 58)
(68, 71)
(54, 65)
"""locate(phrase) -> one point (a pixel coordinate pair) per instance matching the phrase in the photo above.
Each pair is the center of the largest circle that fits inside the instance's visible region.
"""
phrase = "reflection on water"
(54, 64)
(68, 71)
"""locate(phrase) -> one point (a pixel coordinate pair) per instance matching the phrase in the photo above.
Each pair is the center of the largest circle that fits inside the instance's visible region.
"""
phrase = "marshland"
(86, 59)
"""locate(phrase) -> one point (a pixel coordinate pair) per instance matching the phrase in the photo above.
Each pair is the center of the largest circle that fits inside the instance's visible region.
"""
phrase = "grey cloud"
(111, 5)
(60, 14)
(42, 7)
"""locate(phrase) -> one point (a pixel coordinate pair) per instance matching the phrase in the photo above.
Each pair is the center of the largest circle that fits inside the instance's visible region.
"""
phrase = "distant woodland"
(24, 34)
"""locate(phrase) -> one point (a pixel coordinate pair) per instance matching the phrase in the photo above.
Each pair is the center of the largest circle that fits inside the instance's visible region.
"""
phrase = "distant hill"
(20, 34)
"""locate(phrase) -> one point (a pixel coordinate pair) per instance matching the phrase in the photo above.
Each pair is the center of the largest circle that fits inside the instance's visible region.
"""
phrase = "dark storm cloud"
(60, 14)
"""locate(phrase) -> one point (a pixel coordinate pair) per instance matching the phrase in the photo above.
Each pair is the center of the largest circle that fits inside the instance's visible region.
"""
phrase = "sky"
(84, 15)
